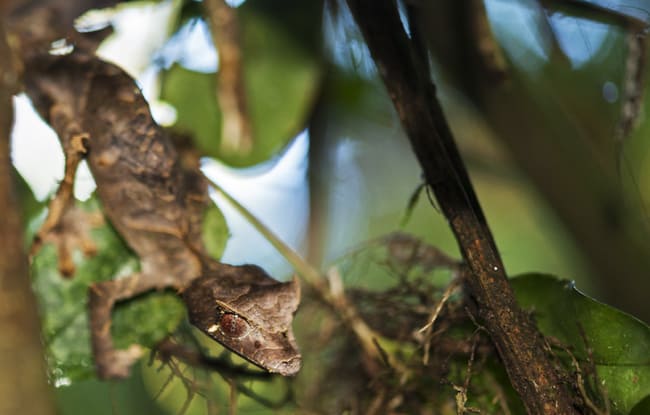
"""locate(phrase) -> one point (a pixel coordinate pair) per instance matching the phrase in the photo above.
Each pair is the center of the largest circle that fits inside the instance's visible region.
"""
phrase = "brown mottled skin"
(157, 207)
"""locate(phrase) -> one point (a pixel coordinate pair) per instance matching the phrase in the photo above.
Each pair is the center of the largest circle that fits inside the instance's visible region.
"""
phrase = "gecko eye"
(234, 326)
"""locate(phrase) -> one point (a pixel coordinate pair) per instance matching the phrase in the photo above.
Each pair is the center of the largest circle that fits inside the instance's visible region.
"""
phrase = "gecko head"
(248, 312)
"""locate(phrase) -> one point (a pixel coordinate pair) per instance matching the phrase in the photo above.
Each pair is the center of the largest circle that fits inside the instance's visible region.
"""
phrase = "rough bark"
(573, 160)
(406, 76)
(23, 384)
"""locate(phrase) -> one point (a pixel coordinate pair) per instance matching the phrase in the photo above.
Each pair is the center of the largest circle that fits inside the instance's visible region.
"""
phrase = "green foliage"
(29, 206)
(252, 397)
(215, 231)
(144, 320)
(642, 408)
(282, 77)
(281, 81)
(126, 397)
(193, 96)
(616, 343)
(147, 319)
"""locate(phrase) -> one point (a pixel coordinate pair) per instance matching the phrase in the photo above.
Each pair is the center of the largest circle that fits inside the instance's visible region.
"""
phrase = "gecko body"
(157, 206)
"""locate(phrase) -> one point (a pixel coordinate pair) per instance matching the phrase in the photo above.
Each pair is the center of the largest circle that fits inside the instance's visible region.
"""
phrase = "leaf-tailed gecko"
(157, 206)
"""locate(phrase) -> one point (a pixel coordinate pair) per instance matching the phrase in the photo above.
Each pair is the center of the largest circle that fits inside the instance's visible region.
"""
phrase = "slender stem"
(302, 267)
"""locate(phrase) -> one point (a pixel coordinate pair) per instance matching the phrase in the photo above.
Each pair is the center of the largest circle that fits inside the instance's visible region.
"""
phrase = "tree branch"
(406, 75)
(236, 135)
(23, 386)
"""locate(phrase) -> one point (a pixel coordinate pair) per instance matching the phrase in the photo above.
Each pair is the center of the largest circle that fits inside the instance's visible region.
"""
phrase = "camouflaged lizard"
(100, 115)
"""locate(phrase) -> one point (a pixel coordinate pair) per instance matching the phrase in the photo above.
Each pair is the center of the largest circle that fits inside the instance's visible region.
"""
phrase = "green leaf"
(129, 396)
(619, 343)
(63, 304)
(281, 82)
(642, 408)
(215, 231)
(30, 207)
(193, 96)
(147, 319)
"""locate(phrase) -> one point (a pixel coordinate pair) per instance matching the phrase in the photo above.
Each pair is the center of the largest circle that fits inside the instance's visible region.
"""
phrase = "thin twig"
(190, 387)
(163, 387)
(428, 328)
(500, 395)
(590, 360)
(600, 12)
(581, 386)
(232, 400)
(310, 274)
(167, 349)
(246, 391)
(365, 335)
(436, 312)
(461, 395)
(211, 405)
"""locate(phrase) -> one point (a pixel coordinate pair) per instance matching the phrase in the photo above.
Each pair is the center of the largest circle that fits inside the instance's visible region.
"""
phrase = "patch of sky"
(191, 47)
(403, 16)
(276, 192)
(139, 31)
(344, 43)
(235, 3)
(580, 39)
(515, 26)
(37, 154)
(524, 32)
(345, 207)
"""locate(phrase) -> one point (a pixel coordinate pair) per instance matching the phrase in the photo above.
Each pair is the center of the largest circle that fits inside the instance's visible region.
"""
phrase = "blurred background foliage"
(533, 91)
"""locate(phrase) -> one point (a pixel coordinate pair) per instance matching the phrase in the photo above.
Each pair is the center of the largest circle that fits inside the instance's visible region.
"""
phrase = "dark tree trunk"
(404, 70)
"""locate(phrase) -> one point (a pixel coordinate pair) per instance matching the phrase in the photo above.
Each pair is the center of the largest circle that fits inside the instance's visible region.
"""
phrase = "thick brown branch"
(23, 386)
(406, 76)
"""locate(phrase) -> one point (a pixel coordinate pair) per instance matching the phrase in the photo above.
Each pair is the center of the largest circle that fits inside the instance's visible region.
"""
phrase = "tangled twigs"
(598, 385)
(427, 330)
(190, 385)
(168, 349)
(582, 376)
(461, 396)
(407, 250)
(180, 358)
(499, 394)
(436, 312)
(365, 335)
